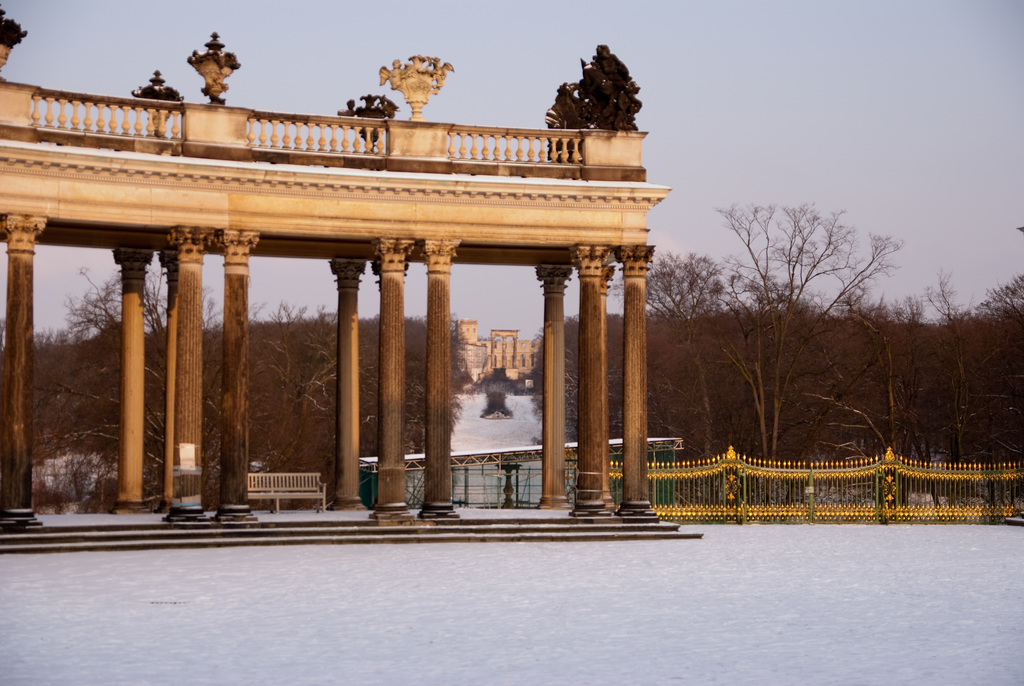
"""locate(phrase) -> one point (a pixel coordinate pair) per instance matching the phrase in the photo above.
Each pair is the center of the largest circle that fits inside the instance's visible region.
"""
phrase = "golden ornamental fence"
(734, 489)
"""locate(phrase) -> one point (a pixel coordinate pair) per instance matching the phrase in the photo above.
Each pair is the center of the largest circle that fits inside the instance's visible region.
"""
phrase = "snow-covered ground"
(744, 605)
(473, 433)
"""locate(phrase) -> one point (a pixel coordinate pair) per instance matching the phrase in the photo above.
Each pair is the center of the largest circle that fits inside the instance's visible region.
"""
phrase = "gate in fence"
(734, 489)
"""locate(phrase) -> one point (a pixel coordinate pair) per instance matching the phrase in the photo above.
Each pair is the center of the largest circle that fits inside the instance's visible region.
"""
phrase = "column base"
(192, 515)
(130, 507)
(18, 518)
(438, 511)
(554, 503)
(591, 508)
(349, 502)
(637, 511)
(163, 508)
(235, 514)
(392, 513)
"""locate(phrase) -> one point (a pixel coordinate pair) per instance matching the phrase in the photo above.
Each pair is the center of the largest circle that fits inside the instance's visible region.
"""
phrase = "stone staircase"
(155, 536)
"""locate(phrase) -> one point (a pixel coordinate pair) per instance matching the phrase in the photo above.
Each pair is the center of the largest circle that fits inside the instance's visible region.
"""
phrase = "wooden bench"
(288, 486)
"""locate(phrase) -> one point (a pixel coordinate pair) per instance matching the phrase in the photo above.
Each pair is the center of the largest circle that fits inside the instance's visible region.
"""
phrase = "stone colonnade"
(183, 399)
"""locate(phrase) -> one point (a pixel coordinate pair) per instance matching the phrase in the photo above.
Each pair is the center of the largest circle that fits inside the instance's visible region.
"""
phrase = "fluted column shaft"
(133, 369)
(553, 278)
(592, 452)
(169, 261)
(390, 265)
(606, 493)
(19, 369)
(346, 427)
(437, 478)
(635, 493)
(234, 416)
(188, 386)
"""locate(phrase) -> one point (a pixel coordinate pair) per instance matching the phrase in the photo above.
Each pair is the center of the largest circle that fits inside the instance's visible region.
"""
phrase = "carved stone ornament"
(10, 35)
(605, 98)
(373, 107)
(417, 80)
(214, 65)
(156, 90)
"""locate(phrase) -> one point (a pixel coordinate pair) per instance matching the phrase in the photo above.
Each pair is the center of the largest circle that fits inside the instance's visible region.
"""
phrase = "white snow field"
(473, 433)
(744, 605)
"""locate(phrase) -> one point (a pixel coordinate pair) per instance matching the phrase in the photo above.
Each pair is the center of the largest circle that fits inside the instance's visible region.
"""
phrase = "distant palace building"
(503, 350)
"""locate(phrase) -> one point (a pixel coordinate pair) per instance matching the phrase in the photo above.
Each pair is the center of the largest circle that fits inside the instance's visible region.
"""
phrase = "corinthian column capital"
(21, 231)
(553, 277)
(607, 274)
(392, 254)
(589, 260)
(237, 246)
(191, 242)
(634, 259)
(348, 272)
(438, 255)
(169, 261)
(133, 262)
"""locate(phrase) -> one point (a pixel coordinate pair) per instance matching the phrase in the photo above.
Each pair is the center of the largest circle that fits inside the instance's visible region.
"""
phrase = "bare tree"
(1004, 311)
(683, 293)
(797, 266)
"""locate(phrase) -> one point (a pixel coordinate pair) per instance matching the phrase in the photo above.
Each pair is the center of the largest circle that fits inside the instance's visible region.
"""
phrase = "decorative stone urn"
(416, 81)
(158, 90)
(214, 66)
(10, 35)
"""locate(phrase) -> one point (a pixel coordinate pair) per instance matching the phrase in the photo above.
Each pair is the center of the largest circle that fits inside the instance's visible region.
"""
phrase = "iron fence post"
(810, 491)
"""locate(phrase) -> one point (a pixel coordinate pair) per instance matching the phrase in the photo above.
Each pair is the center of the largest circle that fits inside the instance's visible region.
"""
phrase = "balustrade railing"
(526, 146)
(125, 117)
(33, 114)
(734, 489)
(340, 135)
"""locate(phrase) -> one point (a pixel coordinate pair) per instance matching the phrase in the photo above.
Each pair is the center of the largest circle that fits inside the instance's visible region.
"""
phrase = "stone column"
(188, 386)
(169, 261)
(553, 278)
(390, 265)
(21, 232)
(437, 478)
(593, 431)
(346, 428)
(635, 497)
(133, 265)
(606, 493)
(234, 416)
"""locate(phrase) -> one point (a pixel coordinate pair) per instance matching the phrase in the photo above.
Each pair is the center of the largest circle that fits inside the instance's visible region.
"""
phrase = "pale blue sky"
(908, 115)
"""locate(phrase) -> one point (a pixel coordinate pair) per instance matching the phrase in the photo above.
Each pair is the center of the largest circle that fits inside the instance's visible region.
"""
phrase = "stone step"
(56, 536)
(165, 536)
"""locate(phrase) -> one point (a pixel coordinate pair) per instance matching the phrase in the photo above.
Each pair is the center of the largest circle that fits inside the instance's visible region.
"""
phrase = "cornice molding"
(264, 179)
